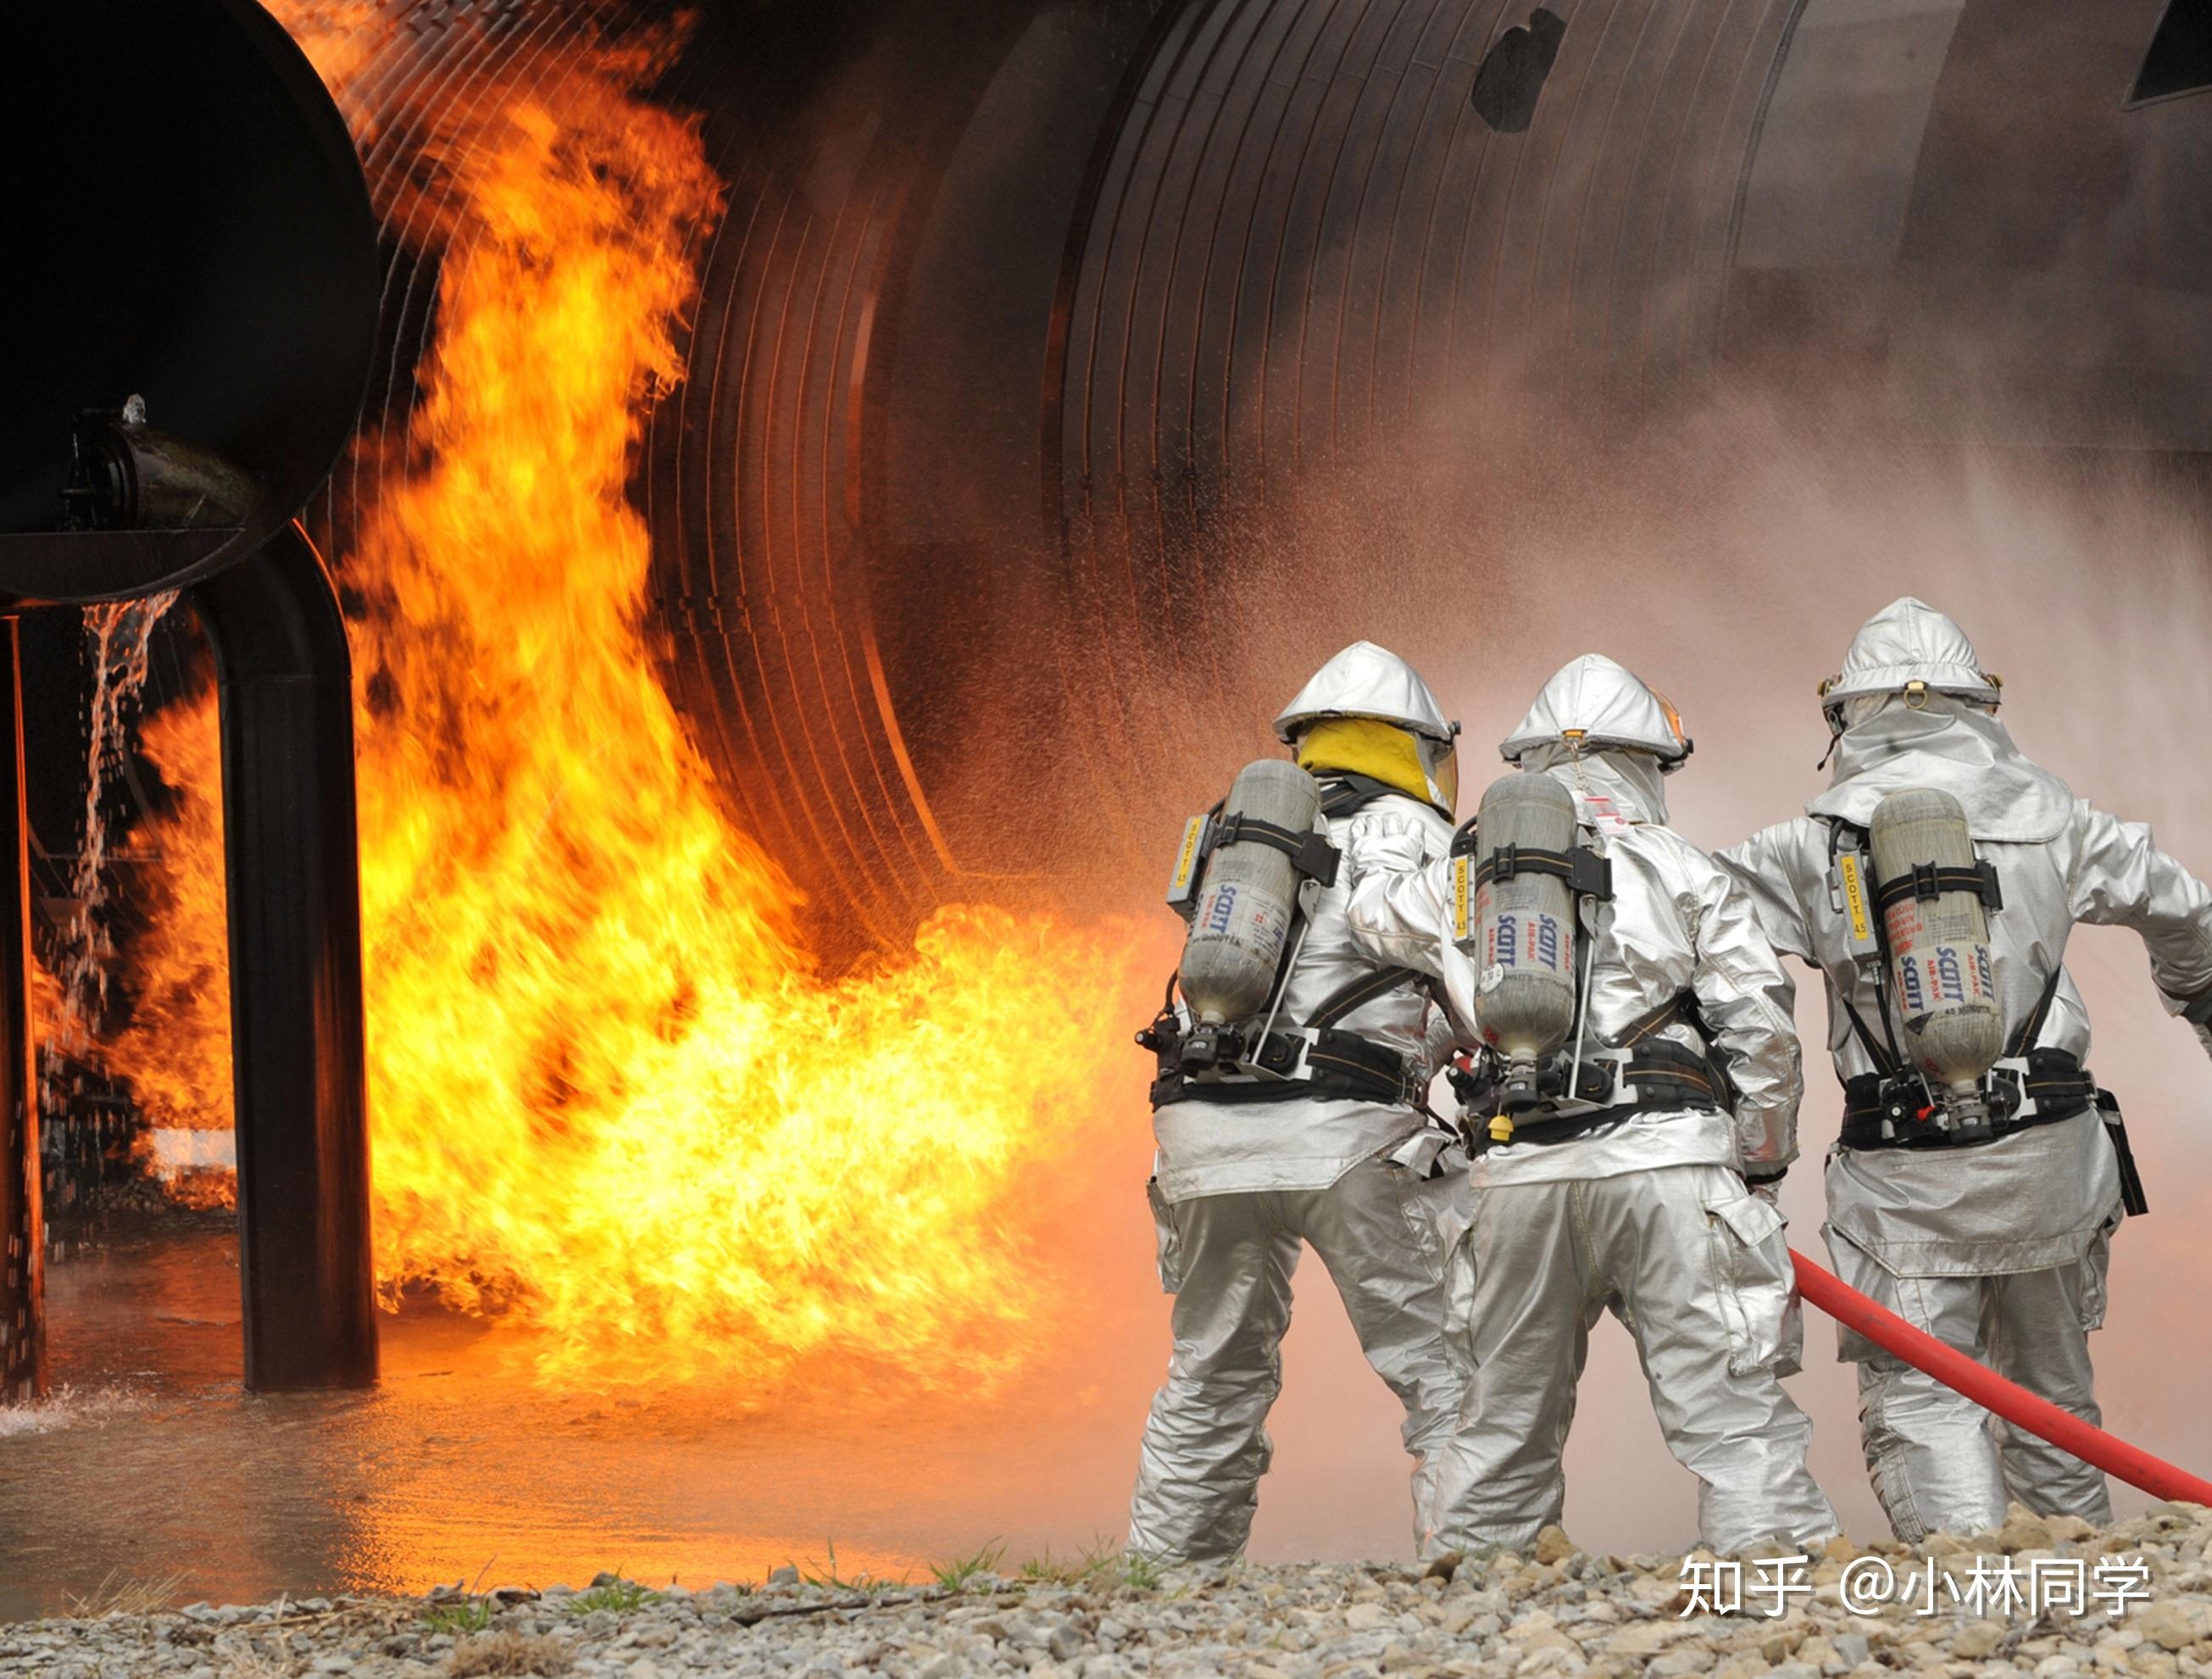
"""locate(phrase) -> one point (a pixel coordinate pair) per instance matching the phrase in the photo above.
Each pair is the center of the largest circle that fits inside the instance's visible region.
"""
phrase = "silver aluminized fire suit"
(1651, 1217)
(1998, 1249)
(1238, 1189)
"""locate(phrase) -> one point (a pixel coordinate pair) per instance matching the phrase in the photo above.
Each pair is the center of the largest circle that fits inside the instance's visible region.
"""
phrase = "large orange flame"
(609, 1097)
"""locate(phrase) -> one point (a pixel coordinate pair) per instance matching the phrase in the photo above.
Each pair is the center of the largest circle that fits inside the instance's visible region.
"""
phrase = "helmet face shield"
(1440, 759)
(1669, 764)
(1853, 711)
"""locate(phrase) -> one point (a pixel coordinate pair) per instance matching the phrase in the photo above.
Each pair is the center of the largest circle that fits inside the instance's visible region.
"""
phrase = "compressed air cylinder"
(1939, 946)
(1520, 931)
(1248, 898)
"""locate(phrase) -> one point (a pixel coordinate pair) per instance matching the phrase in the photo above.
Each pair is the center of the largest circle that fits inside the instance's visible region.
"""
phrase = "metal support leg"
(290, 847)
(22, 1222)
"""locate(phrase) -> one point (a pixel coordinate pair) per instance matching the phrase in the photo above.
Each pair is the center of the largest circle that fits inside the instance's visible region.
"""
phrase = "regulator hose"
(2015, 1404)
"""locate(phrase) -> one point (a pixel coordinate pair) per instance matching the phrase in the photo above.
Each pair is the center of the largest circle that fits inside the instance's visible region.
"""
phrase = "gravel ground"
(1557, 1611)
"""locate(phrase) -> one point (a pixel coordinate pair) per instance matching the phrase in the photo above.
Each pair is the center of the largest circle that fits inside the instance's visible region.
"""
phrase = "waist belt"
(2040, 1088)
(1612, 1084)
(1318, 1061)
(1300, 1063)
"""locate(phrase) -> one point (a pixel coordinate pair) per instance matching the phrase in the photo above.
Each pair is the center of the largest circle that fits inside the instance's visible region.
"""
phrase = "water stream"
(117, 638)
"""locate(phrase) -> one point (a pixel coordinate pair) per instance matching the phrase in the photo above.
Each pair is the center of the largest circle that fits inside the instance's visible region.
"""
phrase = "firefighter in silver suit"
(1655, 1202)
(1251, 1172)
(1994, 1239)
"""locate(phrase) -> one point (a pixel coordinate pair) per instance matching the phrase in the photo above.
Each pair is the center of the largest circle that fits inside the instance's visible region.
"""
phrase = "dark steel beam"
(22, 1225)
(291, 853)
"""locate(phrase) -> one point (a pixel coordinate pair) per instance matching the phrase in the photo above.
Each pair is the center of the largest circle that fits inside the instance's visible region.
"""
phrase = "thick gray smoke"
(1492, 500)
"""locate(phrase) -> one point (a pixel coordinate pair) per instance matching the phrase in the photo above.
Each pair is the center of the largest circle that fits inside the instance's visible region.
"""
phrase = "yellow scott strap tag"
(1463, 899)
(1183, 885)
(1851, 871)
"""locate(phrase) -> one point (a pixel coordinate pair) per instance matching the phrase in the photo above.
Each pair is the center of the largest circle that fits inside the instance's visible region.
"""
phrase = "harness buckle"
(1211, 1049)
(2005, 1092)
(1599, 1084)
(1282, 1054)
(1981, 1128)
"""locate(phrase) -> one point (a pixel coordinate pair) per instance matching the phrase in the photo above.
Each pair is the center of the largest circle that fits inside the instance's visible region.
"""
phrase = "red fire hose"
(1987, 1389)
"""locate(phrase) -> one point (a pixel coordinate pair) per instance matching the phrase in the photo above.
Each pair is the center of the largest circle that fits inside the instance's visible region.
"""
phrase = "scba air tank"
(1518, 925)
(1248, 897)
(1939, 941)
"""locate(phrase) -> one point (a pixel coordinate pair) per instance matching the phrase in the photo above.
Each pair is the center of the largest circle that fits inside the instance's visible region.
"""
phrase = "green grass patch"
(1098, 1564)
(827, 1575)
(472, 1615)
(965, 1573)
(1142, 1573)
(620, 1597)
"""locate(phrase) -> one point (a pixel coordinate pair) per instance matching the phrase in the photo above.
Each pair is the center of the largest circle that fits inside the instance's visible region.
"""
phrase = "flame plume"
(610, 1095)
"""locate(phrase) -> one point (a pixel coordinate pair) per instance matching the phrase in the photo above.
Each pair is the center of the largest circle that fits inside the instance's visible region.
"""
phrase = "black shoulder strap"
(1358, 993)
(1837, 828)
(1343, 793)
(2031, 1028)
(1675, 1009)
(1888, 1065)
